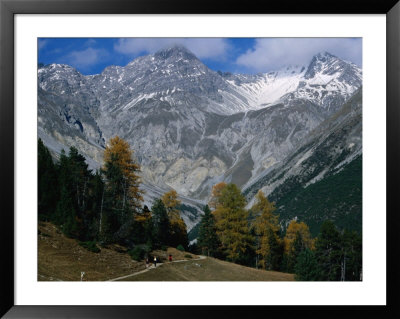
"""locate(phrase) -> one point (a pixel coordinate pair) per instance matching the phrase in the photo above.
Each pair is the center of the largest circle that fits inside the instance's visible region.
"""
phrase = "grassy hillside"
(62, 259)
(209, 269)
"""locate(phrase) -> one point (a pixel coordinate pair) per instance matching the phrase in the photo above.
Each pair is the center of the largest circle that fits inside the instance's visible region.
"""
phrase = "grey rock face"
(323, 152)
(191, 127)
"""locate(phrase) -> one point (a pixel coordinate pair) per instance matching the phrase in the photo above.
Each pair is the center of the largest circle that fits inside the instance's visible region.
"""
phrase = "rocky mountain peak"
(58, 68)
(323, 62)
(324, 55)
(325, 68)
(175, 52)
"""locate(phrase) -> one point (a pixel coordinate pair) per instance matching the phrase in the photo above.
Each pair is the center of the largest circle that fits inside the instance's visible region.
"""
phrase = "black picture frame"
(8, 9)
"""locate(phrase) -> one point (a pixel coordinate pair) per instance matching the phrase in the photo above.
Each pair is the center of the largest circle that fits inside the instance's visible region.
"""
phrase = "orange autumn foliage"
(297, 229)
(216, 195)
(119, 152)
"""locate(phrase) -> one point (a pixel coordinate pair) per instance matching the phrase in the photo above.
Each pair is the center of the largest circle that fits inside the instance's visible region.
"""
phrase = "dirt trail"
(153, 267)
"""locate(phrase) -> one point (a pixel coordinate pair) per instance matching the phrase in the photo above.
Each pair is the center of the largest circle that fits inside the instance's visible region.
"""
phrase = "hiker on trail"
(147, 262)
(155, 261)
(170, 257)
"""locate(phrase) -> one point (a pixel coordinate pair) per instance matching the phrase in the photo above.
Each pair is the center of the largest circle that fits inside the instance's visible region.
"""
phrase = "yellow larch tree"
(171, 203)
(216, 195)
(178, 227)
(299, 231)
(231, 222)
(118, 154)
(296, 240)
(266, 228)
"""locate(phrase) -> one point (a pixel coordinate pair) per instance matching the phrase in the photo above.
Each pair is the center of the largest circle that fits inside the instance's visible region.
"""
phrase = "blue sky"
(237, 55)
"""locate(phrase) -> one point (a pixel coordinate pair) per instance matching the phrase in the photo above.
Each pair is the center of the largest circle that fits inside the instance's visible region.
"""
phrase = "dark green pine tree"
(306, 268)
(69, 195)
(80, 177)
(178, 235)
(328, 251)
(92, 214)
(161, 223)
(74, 182)
(142, 230)
(113, 213)
(351, 266)
(274, 258)
(65, 202)
(148, 228)
(48, 192)
(208, 240)
(66, 216)
(298, 247)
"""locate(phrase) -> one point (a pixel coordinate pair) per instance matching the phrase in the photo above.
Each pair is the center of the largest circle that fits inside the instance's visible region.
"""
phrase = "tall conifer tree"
(232, 224)
(122, 196)
(306, 267)
(161, 223)
(296, 240)
(178, 230)
(208, 240)
(266, 227)
(328, 252)
(48, 192)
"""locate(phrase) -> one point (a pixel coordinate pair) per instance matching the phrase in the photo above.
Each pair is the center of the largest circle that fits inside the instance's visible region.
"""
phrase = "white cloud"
(203, 48)
(90, 42)
(85, 58)
(42, 43)
(274, 53)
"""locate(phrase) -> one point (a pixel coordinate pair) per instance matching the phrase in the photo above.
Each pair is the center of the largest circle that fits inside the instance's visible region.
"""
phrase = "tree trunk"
(101, 209)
